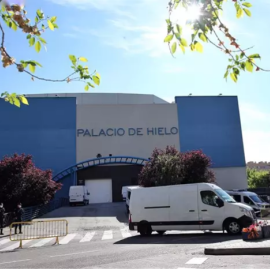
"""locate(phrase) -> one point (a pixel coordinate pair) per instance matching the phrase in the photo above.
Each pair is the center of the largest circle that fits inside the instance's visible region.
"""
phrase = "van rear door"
(184, 207)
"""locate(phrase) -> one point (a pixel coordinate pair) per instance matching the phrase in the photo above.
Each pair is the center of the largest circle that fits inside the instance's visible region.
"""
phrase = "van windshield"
(224, 196)
(255, 199)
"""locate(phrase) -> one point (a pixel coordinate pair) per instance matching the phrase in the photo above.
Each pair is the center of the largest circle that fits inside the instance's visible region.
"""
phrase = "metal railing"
(38, 230)
(33, 212)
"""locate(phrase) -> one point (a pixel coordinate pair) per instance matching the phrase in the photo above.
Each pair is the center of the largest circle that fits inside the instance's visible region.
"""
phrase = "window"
(209, 198)
(255, 199)
(247, 200)
(224, 195)
(237, 197)
(129, 193)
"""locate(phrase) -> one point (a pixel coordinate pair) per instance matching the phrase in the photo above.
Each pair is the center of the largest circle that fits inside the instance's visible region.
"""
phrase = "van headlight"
(246, 212)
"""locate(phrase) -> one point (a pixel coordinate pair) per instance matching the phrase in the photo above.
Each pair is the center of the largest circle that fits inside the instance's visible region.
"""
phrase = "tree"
(21, 181)
(258, 179)
(170, 167)
(208, 27)
(15, 18)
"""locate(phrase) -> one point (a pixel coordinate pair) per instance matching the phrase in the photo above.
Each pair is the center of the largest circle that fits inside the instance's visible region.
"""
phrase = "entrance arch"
(99, 162)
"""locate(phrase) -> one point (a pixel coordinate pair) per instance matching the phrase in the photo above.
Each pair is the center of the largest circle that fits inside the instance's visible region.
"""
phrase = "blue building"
(67, 132)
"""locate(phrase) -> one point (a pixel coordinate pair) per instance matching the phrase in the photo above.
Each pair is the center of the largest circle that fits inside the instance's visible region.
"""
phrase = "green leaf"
(98, 75)
(233, 77)
(226, 74)
(256, 55)
(168, 38)
(23, 100)
(34, 63)
(38, 46)
(32, 68)
(32, 41)
(179, 29)
(53, 19)
(96, 80)
(202, 37)
(239, 13)
(243, 66)
(3, 8)
(173, 48)
(247, 12)
(183, 42)
(182, 48)
(14, 26)
(42, 40)
(83, 59)
(249, 66)
(55, 25)
(199, 47)
(194, 35)
(40, 14)
(242, 55)
(50, 25)
(16, 102)
(192, 47)
(90, 84)
(28, 36)
(236, 71)
(246, 4)
(73, 59)
(86, 88)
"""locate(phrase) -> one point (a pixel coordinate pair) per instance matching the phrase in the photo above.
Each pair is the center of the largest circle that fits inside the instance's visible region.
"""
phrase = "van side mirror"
(219, 202)
(88, 193)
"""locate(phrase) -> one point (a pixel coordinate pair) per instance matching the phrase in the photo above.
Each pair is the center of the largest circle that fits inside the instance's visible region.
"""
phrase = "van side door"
(211, 215)
(184, 208)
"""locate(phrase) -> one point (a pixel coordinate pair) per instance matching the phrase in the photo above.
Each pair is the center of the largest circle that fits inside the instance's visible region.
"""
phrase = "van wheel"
(145, 229)
(161, 232)
(233, 227)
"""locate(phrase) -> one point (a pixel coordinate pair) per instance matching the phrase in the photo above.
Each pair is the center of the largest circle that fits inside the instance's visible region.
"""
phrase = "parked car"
(251, 199)
(78, 195)
(187, 207)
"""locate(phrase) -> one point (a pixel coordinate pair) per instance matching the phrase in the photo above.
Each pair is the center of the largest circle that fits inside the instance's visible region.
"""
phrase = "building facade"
(67, 132)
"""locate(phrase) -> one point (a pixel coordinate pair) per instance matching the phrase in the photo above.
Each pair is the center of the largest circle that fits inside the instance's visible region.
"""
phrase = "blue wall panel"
(213, 125)
(46, 129)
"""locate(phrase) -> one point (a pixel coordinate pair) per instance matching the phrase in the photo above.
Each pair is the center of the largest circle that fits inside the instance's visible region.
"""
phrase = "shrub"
(170, 167)
(21, 181)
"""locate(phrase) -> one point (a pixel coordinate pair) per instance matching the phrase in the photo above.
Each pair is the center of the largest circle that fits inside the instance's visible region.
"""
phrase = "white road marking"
(67, 239)
(4, 242)
(42, 242)
(197, 261)
(74, 253)
(88, 237)
(125, 233)
(14, 246)
(107, 235)
(16, 261)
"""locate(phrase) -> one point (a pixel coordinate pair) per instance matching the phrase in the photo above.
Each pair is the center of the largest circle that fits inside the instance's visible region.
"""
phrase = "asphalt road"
(174, 250)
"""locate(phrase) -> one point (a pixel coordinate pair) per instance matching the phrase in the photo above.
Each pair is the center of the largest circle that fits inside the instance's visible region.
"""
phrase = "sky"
(123, 41)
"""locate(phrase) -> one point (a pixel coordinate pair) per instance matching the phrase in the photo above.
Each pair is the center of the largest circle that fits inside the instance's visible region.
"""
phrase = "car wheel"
(233, 227)
(161, 232)
(145, 229)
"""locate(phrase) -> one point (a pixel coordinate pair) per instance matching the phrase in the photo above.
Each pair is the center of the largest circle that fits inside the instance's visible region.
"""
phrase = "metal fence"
(39, 230)
(33, 212)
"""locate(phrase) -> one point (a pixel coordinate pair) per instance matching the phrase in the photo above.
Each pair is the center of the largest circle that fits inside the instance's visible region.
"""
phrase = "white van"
(129, 189)
(187, 207)
(78, 194)
(251, 199)
(124, 191)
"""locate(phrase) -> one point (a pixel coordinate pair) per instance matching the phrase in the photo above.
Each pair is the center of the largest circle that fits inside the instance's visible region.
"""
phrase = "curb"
(237, 251)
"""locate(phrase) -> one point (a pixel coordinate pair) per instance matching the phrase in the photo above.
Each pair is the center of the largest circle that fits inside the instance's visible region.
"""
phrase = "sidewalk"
(239, 247)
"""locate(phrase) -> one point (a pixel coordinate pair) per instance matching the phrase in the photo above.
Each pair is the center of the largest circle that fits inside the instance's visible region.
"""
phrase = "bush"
(21, 181)
(258, 179)
(170, 167)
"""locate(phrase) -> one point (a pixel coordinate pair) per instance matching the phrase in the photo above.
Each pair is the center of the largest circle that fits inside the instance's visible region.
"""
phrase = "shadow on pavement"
(207, 238)
(117, 210)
